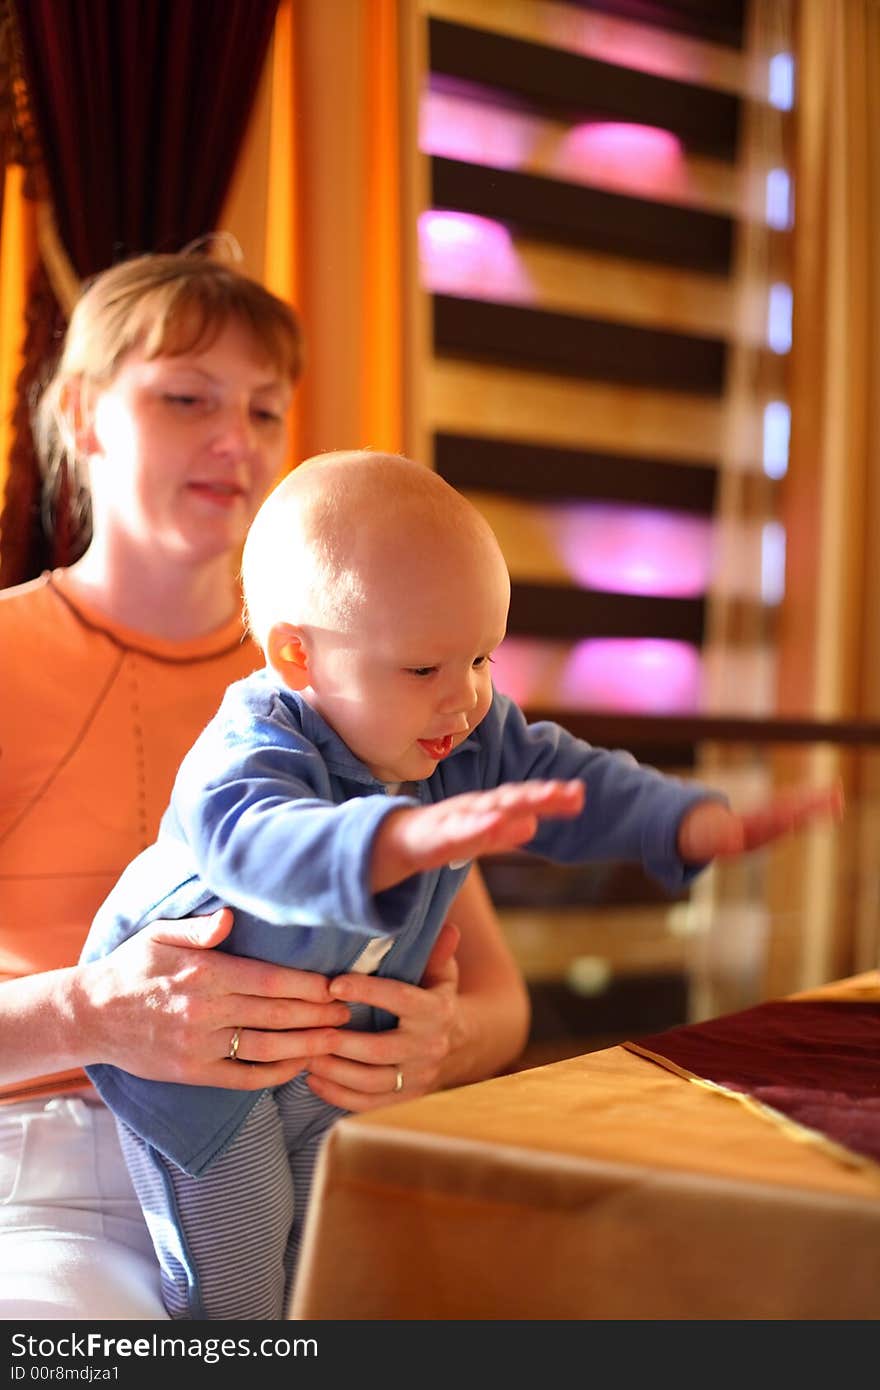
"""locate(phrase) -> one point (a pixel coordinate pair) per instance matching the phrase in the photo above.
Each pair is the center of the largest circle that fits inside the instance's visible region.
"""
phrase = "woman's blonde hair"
(164, 304)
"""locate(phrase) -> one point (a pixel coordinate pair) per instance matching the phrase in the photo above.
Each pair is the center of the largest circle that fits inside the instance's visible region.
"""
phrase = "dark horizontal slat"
(555, 612)
(718, 21)
(576, 88)
(524, 880)
(571, 214)
(664, 752)
(671, 757)
(631, 1007)
(634, 731)
(570, 345)
(552, 474)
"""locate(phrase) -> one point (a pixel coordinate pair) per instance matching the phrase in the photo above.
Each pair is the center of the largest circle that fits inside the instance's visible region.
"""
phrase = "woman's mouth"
(220, 493)
(437, 748)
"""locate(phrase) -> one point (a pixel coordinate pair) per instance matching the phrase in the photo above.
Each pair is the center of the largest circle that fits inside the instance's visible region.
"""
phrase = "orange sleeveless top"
(94, 720)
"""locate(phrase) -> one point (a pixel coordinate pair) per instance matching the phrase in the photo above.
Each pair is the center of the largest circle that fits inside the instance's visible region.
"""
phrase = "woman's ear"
(287, 655)
(76, 413)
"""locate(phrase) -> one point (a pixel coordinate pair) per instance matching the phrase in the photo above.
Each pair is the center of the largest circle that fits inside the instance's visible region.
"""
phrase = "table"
(600, 1187)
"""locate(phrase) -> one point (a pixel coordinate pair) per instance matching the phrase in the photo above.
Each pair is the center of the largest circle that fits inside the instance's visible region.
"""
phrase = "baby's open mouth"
(437, 748)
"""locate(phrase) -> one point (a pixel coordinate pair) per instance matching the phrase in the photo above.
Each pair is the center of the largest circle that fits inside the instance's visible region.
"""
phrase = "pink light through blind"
(633, 550)
(629, 675)
(607, 547)
(471, 256)
(626, 155)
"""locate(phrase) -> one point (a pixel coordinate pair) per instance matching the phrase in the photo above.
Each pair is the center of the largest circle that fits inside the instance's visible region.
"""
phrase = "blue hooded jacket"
(272, 815)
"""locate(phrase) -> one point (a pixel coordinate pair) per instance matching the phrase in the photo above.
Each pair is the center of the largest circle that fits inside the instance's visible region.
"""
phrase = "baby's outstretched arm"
(463, 827)
(711, 830)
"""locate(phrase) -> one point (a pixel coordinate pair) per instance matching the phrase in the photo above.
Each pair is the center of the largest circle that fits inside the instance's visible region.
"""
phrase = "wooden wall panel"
(543, 146)
(576, 346)
(502, 403)
(721, 21)
(563, 611)
(611, 351)
(606, 286)
(579, 87)
(571, 214)
(611, 35)
(511, 469)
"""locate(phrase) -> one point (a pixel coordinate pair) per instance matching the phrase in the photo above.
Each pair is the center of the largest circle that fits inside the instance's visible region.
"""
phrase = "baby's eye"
(421, 670)
(182, 398)
(480, 661)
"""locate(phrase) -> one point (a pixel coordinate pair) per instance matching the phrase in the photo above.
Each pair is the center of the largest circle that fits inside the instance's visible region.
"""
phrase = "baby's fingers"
(490, 830)
(828, 802)
(709, 830)
(542, 798)
(790, 812)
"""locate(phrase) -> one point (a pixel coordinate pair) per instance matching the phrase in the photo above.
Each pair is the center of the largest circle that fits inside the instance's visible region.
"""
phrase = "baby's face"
(412, 679)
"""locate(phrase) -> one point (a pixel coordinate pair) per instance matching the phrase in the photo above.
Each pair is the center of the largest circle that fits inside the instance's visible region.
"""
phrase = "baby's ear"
(287, 655)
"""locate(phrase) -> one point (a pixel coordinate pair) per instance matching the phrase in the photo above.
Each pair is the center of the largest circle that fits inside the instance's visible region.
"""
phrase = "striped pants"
(228, 1240)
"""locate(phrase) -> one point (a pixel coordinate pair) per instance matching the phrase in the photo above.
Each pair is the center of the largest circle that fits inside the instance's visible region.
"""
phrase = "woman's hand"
(165, 1006)
(361, 1071)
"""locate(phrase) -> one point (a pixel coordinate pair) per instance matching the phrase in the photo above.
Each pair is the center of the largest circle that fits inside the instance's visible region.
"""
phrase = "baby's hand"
(710, 830)
(465, 826)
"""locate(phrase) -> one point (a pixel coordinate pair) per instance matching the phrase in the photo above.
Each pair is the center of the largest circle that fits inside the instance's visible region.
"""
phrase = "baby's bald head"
(349, 528)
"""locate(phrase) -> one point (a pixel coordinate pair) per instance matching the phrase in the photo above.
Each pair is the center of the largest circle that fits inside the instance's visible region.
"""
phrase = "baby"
(335, 802)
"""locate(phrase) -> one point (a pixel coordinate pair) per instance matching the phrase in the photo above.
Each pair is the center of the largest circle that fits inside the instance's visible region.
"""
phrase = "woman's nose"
(234, 431)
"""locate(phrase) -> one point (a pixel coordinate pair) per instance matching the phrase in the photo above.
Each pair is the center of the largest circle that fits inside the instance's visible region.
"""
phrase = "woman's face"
(182, 449)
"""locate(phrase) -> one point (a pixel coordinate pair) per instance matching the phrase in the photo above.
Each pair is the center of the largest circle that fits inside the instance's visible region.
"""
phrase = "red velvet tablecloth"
(606, 1187)
(810, 1063)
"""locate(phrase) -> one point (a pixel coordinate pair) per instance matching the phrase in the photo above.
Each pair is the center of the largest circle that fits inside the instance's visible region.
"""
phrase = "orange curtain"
(316, 204)
(18, 260)
(829, 646)
(832, 494)
(381, 379)
(261, 210)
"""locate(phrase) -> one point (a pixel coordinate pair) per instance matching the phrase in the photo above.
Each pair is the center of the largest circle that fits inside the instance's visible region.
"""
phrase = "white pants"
(73, 1243)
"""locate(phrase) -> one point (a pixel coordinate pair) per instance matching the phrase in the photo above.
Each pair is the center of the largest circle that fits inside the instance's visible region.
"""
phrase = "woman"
(172, 391)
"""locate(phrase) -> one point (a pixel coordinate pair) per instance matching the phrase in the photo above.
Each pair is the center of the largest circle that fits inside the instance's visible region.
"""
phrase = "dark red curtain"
(139, 108)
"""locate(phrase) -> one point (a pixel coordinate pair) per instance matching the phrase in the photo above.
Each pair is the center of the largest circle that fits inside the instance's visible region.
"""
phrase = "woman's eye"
(268, 417)
(421, 670)
(181, 398)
